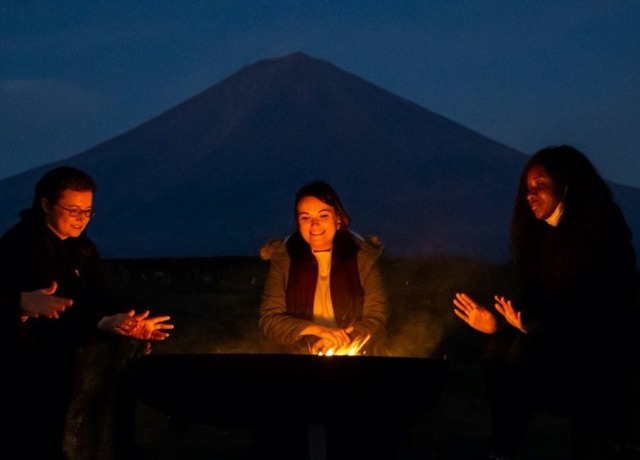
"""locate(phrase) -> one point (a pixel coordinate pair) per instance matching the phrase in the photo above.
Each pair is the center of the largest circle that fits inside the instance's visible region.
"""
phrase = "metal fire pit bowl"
(245, 388)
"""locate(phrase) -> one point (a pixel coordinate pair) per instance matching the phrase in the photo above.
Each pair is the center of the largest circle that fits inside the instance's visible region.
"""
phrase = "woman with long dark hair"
(565, 339)
(324, 294)
(324, 291)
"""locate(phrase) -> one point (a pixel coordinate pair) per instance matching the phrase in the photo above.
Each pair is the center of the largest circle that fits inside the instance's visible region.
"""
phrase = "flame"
(352, 349)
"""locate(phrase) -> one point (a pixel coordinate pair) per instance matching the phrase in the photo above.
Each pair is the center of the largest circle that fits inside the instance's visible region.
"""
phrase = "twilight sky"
(524, 73)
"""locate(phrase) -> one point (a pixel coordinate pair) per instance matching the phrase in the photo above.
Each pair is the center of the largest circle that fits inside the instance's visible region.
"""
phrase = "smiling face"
(58, 215)
(541, 196)
(317, 223)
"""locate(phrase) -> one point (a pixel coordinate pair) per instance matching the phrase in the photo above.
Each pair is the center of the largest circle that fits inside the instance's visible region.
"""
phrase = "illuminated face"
(542, 196)
(317, 222)
(67, 218)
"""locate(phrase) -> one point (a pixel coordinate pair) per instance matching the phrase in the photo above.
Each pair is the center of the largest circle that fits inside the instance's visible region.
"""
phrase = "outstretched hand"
(513, 317)
(137, 326)
(42, 302)
(475, 315)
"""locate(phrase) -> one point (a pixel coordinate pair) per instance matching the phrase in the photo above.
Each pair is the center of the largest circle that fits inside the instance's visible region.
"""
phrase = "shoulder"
(368, 243)
(23, 232)
(273, 249)
(370, 247)
(12, 233)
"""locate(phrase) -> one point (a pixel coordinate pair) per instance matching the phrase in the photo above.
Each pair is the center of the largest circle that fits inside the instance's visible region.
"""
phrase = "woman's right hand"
(329, 338)
(42, 302)
(475, 315)
(137, 326)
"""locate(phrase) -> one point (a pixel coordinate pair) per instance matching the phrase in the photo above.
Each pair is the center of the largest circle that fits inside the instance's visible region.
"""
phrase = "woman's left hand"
(513, 317)
(137, 326)
(330, 339)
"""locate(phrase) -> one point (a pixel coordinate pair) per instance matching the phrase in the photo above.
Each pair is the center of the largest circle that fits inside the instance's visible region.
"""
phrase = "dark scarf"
(347, 294)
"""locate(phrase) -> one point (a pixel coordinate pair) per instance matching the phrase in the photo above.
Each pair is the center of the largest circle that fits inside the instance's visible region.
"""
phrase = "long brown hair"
(325, 193)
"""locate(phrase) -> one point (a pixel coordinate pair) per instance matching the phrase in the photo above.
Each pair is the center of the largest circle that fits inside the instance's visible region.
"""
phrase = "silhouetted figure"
(565, 342)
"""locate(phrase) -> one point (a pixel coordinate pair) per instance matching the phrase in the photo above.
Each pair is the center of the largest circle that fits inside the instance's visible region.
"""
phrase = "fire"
(352, 349)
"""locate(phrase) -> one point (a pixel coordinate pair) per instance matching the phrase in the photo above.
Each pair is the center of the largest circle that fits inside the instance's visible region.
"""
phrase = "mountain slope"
(217, 174)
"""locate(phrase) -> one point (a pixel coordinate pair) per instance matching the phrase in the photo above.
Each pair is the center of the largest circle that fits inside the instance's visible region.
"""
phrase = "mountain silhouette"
(217, 174)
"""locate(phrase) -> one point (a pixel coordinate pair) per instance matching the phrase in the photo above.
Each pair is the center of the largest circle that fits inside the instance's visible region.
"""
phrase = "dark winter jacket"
(32, 257)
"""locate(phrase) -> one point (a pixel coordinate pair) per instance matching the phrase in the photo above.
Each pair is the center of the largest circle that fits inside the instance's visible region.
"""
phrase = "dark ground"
(214, 306)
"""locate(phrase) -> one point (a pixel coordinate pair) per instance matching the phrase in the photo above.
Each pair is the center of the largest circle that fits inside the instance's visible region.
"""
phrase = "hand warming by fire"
(483, 320)
(137, 326)
(43, 302)
(353, 349)
(328, 338)
(474, 314)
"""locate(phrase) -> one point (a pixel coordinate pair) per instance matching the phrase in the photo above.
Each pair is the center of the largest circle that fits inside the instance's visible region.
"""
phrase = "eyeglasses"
(77, 212)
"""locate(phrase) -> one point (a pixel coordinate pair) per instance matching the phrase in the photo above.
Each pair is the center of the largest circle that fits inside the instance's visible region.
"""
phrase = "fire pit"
(247, 388)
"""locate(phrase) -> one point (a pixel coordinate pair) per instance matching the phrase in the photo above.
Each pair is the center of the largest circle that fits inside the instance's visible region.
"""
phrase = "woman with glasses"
(55, 297)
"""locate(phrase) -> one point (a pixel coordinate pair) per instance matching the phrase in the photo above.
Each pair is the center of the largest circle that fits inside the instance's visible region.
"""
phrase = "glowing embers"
(352, 349)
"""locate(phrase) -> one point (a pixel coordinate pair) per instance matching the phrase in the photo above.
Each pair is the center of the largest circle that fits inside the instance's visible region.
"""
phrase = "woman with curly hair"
(565, 339)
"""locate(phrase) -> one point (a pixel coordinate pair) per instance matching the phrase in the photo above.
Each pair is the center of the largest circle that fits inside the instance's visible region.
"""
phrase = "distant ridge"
(217, 174)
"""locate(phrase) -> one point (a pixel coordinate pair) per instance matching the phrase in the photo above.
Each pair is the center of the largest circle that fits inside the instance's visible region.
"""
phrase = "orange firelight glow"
(352, 349)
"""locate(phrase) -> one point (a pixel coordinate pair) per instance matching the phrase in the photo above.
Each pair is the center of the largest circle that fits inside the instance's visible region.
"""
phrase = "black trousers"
(532, 372)
(348, 439)
(41, 387)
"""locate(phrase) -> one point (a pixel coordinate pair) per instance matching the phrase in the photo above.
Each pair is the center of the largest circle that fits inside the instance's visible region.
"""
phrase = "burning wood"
(352, 349)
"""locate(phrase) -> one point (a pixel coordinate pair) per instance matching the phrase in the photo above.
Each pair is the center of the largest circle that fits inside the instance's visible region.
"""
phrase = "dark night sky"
(527, 73)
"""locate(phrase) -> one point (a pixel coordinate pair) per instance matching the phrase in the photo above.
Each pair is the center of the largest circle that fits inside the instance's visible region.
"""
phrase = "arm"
(375, 311)
(42, 302)
(136, 326)
(27, 282)
(276, 325)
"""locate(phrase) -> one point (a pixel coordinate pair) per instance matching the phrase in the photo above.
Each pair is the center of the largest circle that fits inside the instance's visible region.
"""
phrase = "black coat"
(580, 289)
(32, 257)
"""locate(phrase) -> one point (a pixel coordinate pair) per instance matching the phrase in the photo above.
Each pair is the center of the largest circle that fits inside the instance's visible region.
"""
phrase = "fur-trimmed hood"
(271, 246)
